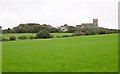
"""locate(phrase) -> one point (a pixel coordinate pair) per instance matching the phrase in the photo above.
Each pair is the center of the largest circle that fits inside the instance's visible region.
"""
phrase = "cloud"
(58, 12)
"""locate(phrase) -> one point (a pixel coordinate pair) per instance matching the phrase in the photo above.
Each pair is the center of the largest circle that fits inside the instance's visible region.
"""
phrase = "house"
(64, 28)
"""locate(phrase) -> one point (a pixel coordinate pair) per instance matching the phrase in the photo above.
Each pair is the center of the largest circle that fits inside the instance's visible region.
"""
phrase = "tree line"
(30, 28)
(35, 28)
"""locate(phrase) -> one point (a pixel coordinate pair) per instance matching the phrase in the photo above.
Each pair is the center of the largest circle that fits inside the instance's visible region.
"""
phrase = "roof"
(87, 24)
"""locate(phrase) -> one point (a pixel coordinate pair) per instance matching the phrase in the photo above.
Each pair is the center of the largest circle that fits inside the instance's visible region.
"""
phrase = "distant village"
(93, 25)
(35, 28)
(64, 28)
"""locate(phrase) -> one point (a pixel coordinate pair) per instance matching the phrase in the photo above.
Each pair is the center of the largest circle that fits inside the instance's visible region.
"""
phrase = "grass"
(17, 34)
(0, 57)
(31, 34)
(98, 53)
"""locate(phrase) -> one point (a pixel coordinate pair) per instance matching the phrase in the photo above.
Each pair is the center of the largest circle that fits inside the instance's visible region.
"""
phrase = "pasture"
(31, 34)
(0, 57)
(97, 53)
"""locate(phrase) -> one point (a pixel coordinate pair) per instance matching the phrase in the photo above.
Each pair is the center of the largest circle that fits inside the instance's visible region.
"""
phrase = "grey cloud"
(58, 12)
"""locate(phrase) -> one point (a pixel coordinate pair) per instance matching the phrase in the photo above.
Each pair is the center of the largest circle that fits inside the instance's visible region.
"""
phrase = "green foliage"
(107, 31)
(23, 37)
(12, 38)
(43, 34)
(66, 36)
(33, 37)
(102, 31)
(78, 33)
(33, 28)
(88, 33)
(31, 34)
(4, 39)
(58, 36)
(119, 31)
(71, 29)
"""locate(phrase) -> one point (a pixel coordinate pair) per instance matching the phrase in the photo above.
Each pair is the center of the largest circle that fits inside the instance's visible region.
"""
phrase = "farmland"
(0, 57)
(97, 53)
(31, 34)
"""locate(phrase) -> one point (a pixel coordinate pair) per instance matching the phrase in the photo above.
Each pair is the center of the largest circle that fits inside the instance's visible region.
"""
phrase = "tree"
(36, 28)
(12, 38)
(71, 29)
(43, 34)
(78, 33)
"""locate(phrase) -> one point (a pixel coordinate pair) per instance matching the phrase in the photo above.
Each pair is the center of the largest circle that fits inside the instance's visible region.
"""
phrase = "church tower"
(95, 23)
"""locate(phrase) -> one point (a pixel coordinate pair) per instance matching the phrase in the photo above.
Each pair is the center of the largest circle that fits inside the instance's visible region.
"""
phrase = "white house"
(63, 29)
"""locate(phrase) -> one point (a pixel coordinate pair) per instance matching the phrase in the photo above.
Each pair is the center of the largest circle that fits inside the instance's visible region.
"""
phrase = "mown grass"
(31, 34)
(0, 57)
(98, 53)
(17, 34)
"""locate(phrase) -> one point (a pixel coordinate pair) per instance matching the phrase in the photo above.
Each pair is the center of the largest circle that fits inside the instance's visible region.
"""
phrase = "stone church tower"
(95, 23)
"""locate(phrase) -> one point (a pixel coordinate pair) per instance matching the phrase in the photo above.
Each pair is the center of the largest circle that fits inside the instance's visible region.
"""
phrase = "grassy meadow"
(31, 34)
(97, 53)
(0, 57)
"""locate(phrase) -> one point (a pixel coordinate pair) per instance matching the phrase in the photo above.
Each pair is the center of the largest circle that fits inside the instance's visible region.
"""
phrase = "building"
(93, 25)
(64, 28)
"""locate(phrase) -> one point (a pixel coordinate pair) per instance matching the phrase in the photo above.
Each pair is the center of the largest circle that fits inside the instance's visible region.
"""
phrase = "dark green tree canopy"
(43, 34)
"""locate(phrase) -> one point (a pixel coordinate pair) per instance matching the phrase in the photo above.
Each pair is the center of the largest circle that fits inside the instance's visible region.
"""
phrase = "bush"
(33, 37)
(4, 39)
(78, 33)
(51, 36)
(66, 36)
(58, 36)
(94, 31)
(22, 37)
(43, 34)
(102, 31)
(88, 33)
(119, 31)
(108, 32)
(12, 38)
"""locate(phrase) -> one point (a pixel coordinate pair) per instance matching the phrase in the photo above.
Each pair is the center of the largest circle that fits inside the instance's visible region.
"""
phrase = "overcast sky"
(58, 12)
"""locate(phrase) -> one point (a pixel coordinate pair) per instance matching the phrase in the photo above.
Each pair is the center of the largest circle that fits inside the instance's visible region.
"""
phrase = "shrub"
(22, 37)
(88, 33)
(66, 36)
(51, 36)
(78, 33)
(12, 38)
(58, 36)
(102, 31)
(4, 39)
(43, 34)
(33, 37)
(108, 32)
(119, 31)
(114, 31)
(94, 31)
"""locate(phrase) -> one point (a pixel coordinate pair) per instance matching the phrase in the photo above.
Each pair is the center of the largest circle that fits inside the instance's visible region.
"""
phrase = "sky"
(59, 12)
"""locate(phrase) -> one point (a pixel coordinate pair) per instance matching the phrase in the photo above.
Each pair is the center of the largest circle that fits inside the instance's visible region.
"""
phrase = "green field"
(0, 57)
(97, 53)
(31, 34)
